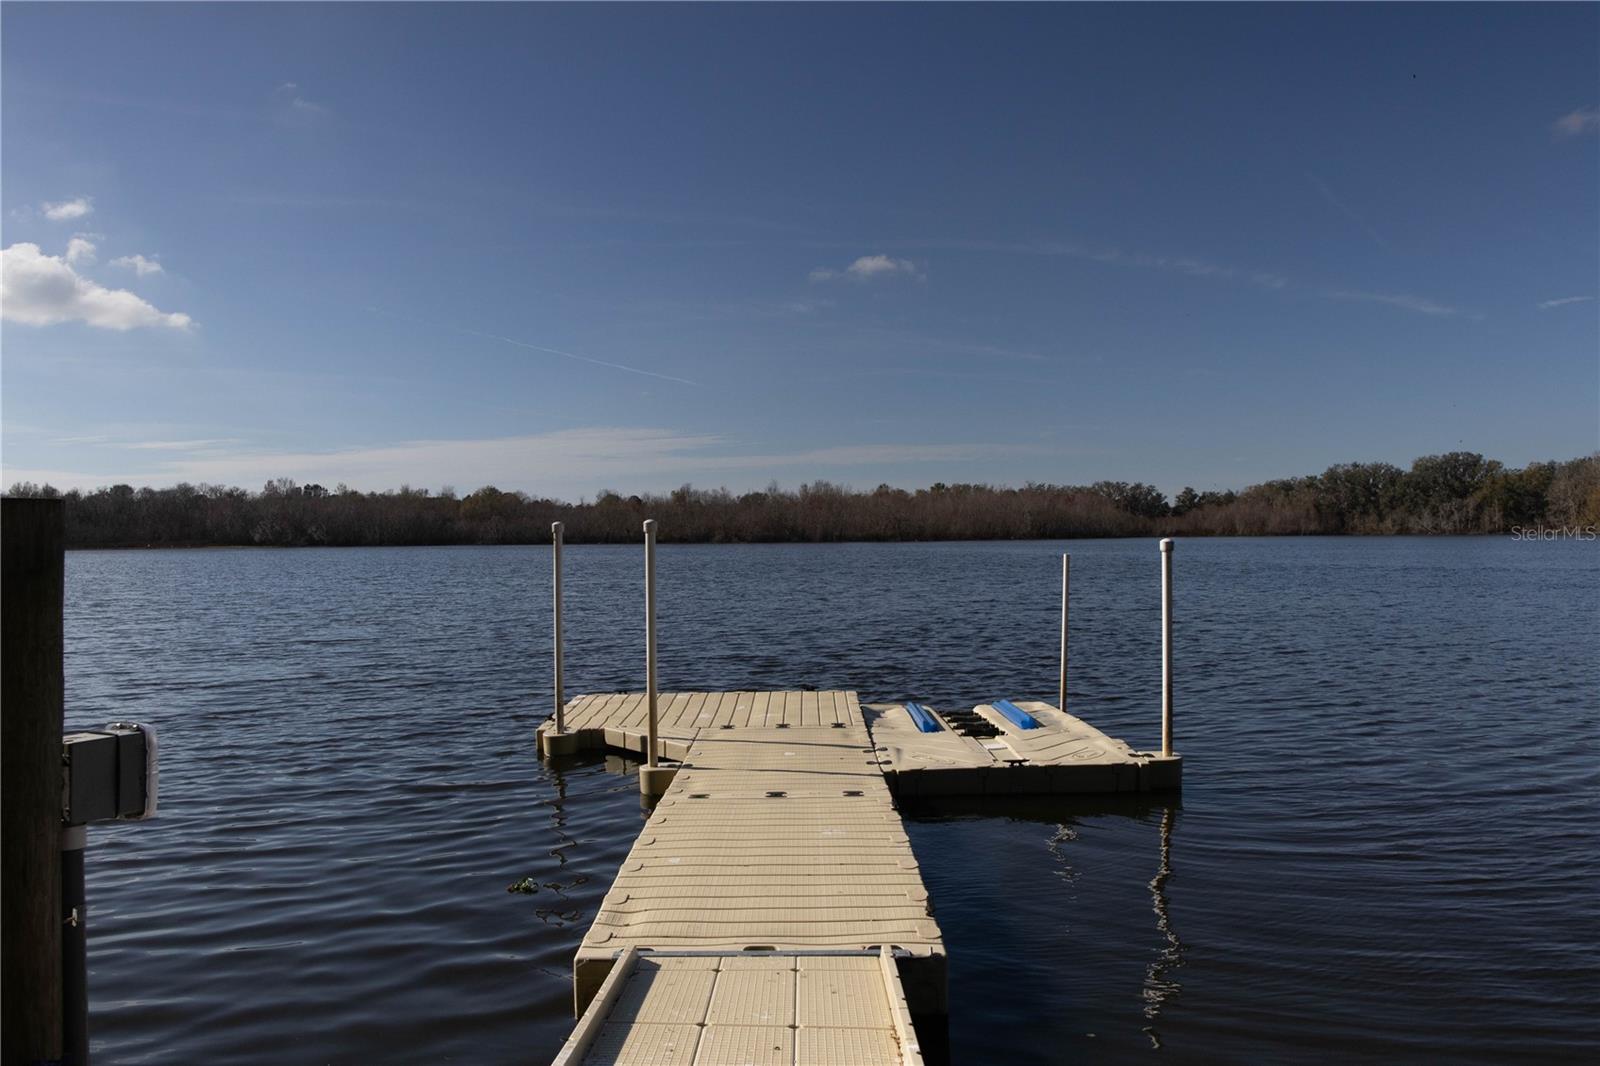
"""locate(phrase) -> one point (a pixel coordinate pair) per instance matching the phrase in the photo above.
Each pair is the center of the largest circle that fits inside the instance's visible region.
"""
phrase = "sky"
(561, 249)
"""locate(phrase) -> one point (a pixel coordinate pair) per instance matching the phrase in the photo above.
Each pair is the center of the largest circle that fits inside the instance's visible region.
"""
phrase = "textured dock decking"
(777, 834)
(746, 1010)
(617, 720)
(1063, 755)
(778, 839)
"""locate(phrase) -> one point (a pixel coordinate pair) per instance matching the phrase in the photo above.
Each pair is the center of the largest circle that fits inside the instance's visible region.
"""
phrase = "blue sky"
(561, 249)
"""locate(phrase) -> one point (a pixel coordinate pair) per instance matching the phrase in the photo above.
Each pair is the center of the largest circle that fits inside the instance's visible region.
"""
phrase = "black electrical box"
(108, 773)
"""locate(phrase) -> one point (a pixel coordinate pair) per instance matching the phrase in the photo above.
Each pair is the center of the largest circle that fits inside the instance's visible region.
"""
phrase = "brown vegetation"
(1460, 492)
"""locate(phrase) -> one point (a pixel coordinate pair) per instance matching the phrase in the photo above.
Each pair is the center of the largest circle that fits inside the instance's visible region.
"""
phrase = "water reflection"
(557, 908)
(1069, 815)
(1159, 987)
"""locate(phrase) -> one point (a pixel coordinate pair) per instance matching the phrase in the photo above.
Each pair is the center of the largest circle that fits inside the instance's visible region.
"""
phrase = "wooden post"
(1166, 646)
(1066, 575)
(561, 699)
(32, 573)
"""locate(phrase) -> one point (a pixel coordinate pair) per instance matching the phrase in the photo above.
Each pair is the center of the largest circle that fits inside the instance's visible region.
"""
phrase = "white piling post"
(1166, 646)
(650, 638)
(1066, 575)
(561, 699)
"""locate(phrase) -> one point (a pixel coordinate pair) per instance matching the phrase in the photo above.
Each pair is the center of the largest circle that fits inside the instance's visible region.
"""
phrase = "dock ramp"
(774, 1008)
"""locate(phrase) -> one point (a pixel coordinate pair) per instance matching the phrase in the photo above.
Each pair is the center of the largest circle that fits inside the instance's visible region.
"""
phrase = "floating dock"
(771, 910)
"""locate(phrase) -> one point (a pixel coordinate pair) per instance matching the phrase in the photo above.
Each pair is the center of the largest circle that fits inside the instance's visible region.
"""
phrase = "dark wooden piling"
(31, 589)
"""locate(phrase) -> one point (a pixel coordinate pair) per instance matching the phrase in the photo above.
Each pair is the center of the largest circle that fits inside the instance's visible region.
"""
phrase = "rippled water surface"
(1386, 844)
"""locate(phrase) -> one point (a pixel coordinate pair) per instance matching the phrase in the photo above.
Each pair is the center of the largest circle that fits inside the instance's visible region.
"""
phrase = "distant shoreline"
(1452, 494)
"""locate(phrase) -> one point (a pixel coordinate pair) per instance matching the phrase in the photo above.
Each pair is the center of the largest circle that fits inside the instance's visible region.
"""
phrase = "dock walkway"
(771, 909)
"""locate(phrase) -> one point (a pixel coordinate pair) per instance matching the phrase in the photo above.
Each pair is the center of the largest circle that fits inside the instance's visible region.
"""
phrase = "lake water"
(1386, 844)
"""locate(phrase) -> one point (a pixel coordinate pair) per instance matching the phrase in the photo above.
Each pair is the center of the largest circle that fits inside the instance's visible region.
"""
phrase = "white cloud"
(1577, 123)
(295, 108)
(1181, 264)
(43, 290)
(1404, 301)
(68, 209)
(138, 264)
(80, 249)
(1548, 304)
(180, 445)
(869, 268)
(879, 266)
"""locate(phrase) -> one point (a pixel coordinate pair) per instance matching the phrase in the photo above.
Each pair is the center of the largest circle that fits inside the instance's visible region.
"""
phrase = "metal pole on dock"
(1166, 646)
(650, 638)
(561, 699)
(1066, 579)
(32, 569)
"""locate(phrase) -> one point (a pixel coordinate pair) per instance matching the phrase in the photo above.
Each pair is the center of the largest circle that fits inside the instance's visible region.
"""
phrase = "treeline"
(1460, 492)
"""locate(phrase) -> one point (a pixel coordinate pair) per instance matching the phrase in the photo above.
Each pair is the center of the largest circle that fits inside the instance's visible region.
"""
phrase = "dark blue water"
(1386, 844)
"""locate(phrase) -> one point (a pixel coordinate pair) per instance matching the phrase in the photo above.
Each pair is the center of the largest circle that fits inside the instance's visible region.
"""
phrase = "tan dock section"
(617, 720)
(1064, 755)
(772, 837)
(771, 910)
(768, 1009)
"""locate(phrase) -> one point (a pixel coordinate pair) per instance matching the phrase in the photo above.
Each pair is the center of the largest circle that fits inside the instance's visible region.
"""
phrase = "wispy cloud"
(870, 268)
(1348, 212)
(111, 441)
(44, 290)
(187, 107)
(1577, 123)
(867, 455)
(1197, 267)
(1181, 264)
(315, 202)
(564, 463)
(294, 107)
(1193, 266)
(138, 264)
(180, 445)
(66, 210)
(949, 344)
(1404, 301)
(536, 347)
(1548, 304)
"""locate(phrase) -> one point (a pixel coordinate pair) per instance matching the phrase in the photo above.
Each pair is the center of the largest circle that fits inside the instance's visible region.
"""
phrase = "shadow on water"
(1067, 815)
